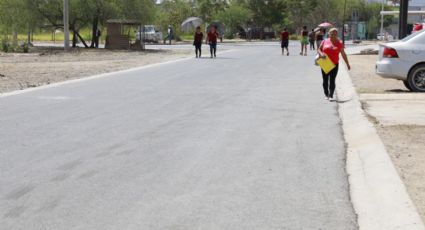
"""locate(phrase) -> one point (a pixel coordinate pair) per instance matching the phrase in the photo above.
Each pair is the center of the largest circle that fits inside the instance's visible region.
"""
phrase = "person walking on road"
(212, 41)
(197, 41)
(331, 48)
(319, 37)
(304, 40)
(284, 38)
(170, 35)
(312, 39)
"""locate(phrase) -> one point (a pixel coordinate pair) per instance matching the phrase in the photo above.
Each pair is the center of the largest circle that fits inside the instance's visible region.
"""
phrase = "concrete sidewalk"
(396, 109)
(379, 196)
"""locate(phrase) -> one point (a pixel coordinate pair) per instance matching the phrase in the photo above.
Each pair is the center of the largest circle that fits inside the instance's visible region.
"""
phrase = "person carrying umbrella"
(212, 40)
(197, 41)
(319, 37)
(331, 48)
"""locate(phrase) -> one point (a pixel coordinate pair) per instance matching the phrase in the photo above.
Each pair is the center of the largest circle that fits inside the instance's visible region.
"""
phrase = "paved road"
(244, 141)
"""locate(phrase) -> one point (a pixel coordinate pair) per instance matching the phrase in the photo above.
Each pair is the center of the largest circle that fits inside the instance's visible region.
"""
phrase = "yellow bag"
(326, 64)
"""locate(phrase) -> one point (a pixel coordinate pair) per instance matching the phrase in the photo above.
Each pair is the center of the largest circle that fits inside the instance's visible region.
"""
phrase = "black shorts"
(285, 44)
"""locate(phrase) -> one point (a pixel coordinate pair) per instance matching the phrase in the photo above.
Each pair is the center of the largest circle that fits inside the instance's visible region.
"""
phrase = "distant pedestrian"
(332, 47)
(170, 35)
(97, 37)
(319, 37)
(197, 41)
(284, 38)
(304, 41)
(312, 39)
(212, 37)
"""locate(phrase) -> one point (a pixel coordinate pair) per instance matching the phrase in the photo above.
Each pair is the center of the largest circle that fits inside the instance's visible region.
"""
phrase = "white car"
(404, 60)
(387, 37)
(150, 34)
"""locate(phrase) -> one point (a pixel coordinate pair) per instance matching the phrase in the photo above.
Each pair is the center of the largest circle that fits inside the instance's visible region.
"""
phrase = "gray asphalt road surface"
(244, 141)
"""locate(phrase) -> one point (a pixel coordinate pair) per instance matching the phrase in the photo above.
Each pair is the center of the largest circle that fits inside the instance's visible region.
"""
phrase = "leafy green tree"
(173, 13)
(233, 17)
(207, 9)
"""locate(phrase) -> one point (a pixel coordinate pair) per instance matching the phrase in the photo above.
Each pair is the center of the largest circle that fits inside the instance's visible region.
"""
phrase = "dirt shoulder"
(49, 65)
(403, 140)
(367, 81)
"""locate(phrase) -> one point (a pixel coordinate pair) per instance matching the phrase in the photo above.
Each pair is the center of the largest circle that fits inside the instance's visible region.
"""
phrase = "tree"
(173, 13)
(233, 17)
(207, 9)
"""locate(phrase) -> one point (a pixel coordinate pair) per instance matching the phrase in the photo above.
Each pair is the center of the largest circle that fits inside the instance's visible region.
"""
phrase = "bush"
(25, 47)
(5, 46)
(294, 37)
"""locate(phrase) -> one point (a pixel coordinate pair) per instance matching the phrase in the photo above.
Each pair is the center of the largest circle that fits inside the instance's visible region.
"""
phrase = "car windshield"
(412, 36)
(149, 29)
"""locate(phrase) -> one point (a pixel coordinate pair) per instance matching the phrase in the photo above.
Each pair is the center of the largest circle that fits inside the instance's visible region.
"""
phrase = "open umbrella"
(191, 23)
(325, 25)
(220, 27)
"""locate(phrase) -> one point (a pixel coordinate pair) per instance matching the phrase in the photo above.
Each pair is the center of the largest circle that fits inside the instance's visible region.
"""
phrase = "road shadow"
(344, 101)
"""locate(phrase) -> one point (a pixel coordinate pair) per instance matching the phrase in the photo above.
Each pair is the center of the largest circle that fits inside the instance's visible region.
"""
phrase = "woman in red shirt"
(332, 47)
(197, 41)
(212, 41)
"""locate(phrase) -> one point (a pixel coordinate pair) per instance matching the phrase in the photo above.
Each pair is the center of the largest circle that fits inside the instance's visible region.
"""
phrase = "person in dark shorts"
(312, 39)
(197, 41)
(304, 41)
(212, 41)
(284, 38)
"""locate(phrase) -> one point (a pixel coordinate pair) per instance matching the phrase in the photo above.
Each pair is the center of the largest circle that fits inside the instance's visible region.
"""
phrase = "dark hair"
(305, 27)
(284, 29)
(198, 27)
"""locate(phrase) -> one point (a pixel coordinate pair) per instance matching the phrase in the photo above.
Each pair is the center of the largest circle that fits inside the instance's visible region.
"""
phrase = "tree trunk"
(15, 37)
(74, 39)
(94, 32)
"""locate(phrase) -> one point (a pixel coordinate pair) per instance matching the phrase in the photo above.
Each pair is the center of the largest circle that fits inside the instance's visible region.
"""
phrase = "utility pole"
(404, 8)
(66, 24)
(343, 23)
(382, 21)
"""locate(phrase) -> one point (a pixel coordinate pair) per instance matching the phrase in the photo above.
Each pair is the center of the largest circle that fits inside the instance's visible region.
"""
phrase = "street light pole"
(66, 24)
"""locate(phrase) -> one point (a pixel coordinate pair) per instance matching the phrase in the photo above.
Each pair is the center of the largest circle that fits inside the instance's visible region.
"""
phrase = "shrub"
(5, 46)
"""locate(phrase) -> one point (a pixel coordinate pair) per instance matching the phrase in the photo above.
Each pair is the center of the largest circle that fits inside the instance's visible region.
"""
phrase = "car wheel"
(406, 83)
(416, 78)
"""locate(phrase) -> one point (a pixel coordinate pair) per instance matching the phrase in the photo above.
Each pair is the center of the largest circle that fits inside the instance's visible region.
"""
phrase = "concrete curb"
(379, 196)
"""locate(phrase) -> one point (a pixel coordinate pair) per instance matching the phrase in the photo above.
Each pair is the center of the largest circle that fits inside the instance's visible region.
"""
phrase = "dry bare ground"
(404, 143)
(49, 65)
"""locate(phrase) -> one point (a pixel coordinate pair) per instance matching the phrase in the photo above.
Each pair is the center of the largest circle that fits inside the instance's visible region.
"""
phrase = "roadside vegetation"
(25, 21)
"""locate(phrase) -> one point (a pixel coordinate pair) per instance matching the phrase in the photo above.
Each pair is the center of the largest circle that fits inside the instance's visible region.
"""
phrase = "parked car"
(387, 37)
(150, 34)
(404, 60)
(255, 33)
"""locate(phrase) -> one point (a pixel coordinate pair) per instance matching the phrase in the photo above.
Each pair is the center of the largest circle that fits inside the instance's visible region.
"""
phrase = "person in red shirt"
(331, 48)
(284, 38)
(212, 41)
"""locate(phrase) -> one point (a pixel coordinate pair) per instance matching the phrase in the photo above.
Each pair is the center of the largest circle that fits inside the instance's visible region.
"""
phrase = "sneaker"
(327, 98)
(332, 99)
(287, 54)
